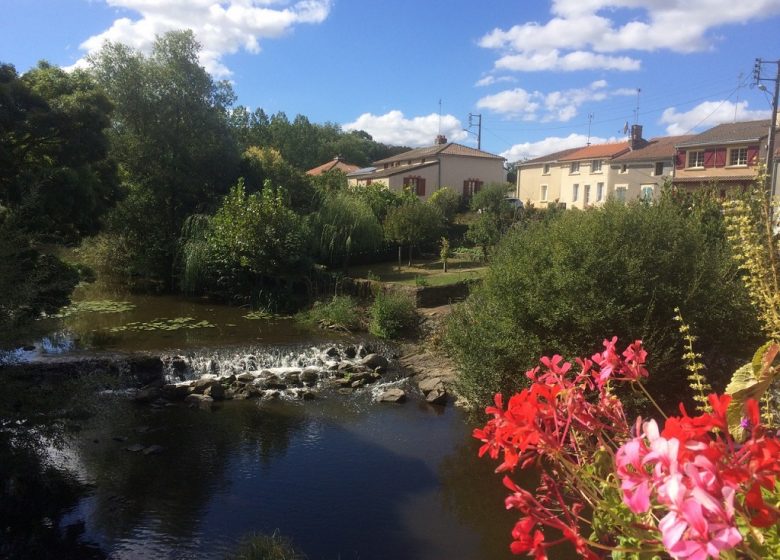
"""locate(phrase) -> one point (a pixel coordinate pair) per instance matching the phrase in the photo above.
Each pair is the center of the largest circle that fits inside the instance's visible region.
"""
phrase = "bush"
(341, 312)
(391, 313)
(266, 547)
(556, 285)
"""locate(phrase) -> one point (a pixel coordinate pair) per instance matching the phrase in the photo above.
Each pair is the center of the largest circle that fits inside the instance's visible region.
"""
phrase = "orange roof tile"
(597, 151)
(335, 163)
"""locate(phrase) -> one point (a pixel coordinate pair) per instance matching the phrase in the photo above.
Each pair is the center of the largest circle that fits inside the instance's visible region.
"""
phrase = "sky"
(544, 75)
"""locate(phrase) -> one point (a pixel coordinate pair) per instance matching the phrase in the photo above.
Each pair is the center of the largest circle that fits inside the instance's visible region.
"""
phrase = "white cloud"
(490, 80)
(581, 31)
(221, 27)
(550, 145)
(709, 114)
(559, 106)
(394, 128)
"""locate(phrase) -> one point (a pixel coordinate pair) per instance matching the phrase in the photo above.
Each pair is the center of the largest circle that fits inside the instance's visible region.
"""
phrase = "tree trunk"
(410, 254)
(399, 258)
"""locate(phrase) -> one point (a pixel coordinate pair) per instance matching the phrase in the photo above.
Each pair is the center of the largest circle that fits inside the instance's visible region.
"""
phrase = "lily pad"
(164, 325)
(95, 306)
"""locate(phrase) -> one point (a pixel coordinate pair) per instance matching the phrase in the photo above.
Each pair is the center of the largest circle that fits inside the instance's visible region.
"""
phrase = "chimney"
(636, 137)
(441, 139)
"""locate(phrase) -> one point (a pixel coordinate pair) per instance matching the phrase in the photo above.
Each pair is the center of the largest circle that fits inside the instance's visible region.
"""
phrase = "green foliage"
(31, 283)
(697, 381)
(55, 174)
(559, 285)
(266, 547)
(392, 313)
(751, 381)
(171, 138)
(491, 199)
(254, 245)
(330, 182)
(485, 232)
(339, 313)
(412, 224)
(345, 225)
(447, 201)
(261, 165)
(379, 198)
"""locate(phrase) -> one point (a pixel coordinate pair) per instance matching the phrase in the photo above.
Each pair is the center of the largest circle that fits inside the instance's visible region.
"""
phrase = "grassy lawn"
(429, 272)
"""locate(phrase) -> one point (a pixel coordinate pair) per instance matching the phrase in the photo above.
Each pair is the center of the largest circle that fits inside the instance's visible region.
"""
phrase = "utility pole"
(590, 121)
(771, 168)
(478, 119)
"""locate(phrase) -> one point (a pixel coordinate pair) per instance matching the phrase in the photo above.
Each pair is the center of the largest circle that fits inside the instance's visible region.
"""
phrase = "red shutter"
(477, 185)
(466, 190)
(752, 155)
(420, 186)
(709, 158)
(679, 159)
(720, 157)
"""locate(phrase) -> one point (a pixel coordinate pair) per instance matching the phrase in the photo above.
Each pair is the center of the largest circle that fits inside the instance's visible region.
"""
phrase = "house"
(726, 155)
(586, 174)
(425, 170)
(539, 179)
(335, 164)
(641, 172)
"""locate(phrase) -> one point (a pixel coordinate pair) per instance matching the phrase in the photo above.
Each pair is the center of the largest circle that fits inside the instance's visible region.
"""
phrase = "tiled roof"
(450, 148)
(730, 133)
(661, 148)
(335, 163)
(598, 151)
(551, 157)
(390, 171)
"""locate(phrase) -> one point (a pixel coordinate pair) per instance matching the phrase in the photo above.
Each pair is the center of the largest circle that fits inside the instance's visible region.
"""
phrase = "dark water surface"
(344, 478)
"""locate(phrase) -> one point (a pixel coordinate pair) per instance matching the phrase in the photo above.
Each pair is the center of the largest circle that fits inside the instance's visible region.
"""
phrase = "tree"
(55, 173)
(343, 226)
(171, 138)
(253, 248)
(447, 201)
(495, 215)
(261, 165)
(411, 224)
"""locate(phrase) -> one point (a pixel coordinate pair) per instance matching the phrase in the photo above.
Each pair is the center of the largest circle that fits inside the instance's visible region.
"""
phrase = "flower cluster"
(690, 490)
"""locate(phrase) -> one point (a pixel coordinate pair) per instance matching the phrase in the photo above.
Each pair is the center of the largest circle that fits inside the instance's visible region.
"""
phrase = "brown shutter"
(420, 186)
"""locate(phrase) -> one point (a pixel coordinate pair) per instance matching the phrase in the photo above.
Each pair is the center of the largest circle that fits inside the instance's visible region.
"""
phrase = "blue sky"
(533, 69)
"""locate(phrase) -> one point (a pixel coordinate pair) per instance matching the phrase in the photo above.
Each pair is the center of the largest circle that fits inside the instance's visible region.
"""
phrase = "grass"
(428, 272)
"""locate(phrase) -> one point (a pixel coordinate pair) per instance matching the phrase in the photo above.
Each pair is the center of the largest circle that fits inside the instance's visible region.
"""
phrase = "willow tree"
(344, 226)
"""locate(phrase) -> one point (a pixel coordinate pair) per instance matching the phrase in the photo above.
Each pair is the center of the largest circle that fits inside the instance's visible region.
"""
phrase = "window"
(586, 195)
(575, 192)
(599, 192)
(574, 167)
(543, 193)
(595, 166)
(620, 192)
(471, 187)
(647, 193)
(624, 168)
(546, 169)
(415, 184)
(738, 156)
(696, 159)
(659, 168)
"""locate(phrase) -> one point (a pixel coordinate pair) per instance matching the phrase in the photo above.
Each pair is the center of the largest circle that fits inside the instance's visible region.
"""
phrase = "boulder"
(135, 448)
(374, 361)
(147, 394)
(245, 377)
(178, 364)
(333, 352)
(200, 401)
(204, 383)
(310, 375)
(350, 352)
(215, 391)
(394, 395)
(153, 450)
(436, 396)
(430, 384)
(175, 391)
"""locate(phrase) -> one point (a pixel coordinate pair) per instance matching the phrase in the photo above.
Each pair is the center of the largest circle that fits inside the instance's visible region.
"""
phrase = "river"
(342, 476)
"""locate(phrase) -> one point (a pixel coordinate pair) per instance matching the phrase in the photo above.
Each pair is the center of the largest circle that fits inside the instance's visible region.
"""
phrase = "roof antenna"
(439, 117)
(636, 111)
(739, 86)
(590, 120)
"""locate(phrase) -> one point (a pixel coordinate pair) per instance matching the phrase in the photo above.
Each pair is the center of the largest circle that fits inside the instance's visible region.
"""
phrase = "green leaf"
(750, 382)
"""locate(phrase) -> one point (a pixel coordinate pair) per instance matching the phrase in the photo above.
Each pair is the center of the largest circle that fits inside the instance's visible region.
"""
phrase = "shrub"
(391, 313)
(341, 312)
(557, 284)
(447, 201)
(266, 547)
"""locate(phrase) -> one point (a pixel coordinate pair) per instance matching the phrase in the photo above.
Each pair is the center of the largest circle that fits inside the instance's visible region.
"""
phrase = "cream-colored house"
(586, 175)
(539, 179)
(640, 173)
(425, 170)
